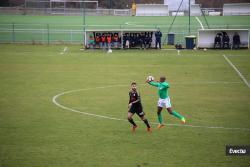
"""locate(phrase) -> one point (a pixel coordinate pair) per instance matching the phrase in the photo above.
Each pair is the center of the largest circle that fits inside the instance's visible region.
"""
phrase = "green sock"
(177, 115)
(160, 118)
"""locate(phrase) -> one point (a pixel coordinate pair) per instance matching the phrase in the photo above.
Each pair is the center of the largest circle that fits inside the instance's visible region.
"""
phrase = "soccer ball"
(150, 78)
(109, 51)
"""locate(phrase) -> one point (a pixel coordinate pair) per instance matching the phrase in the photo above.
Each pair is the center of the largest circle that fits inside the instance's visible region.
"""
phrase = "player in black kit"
(135, 106)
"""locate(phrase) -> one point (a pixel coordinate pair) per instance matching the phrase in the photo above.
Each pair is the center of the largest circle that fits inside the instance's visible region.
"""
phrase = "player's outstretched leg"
(144, 119)
(159, 118)
(176, 114)
(130, 119)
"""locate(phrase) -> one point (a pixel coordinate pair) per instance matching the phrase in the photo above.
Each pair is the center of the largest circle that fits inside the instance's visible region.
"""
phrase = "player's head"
(162, 79)
(133, 86)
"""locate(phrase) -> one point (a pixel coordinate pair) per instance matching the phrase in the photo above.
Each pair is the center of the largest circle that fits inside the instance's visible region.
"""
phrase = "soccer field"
(34, 131)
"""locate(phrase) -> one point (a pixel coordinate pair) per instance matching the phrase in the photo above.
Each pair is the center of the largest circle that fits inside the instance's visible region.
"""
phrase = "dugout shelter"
(206, 37)
(120, 32)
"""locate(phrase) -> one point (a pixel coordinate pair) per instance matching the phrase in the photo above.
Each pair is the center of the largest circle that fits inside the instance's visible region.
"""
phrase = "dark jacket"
(158, 35)
(236, 39)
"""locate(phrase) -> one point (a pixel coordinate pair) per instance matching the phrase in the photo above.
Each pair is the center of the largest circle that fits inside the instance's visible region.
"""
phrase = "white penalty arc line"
(54, 100)
(199, 22)
(85, 113)
(237, 71)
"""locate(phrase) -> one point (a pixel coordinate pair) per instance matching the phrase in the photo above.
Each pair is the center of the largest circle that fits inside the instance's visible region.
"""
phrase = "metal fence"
(65, 11)
(74, 34)
(71, 34)
(40, 33)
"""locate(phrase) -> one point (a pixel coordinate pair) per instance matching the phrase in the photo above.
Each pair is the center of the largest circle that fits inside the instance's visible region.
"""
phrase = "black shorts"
(137, 109)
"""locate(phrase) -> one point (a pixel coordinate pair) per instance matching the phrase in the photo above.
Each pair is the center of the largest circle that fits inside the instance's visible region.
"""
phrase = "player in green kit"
(164, 100)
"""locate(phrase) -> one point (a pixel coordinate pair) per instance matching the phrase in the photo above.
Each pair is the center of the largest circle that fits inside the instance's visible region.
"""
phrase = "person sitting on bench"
(217, 41)
(225, 41)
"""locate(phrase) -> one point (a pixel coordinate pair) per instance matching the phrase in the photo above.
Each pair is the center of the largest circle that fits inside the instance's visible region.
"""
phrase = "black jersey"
(133, 96)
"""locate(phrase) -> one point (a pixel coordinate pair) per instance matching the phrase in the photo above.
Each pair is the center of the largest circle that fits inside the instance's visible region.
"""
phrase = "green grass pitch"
(204, 88)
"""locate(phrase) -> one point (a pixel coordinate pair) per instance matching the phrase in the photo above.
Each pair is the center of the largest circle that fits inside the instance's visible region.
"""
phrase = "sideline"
(237, 71)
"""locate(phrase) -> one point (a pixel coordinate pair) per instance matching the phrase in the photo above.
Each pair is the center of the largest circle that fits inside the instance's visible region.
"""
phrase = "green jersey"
(162, 88)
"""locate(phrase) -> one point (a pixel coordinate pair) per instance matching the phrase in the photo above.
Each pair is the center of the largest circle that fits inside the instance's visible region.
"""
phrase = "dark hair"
(133, 83)
(163, 77)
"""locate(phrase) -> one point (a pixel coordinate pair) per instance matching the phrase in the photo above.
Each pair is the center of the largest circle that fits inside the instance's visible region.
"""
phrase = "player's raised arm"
(153, 83)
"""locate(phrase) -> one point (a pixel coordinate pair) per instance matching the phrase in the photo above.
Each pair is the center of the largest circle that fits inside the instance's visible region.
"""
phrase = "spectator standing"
(158, 36)
(236, 41)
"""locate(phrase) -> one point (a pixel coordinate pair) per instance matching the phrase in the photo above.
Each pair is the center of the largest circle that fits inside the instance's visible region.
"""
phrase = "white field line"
(54, 100)
(64, 50)
(199, 22)
(237, 71)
